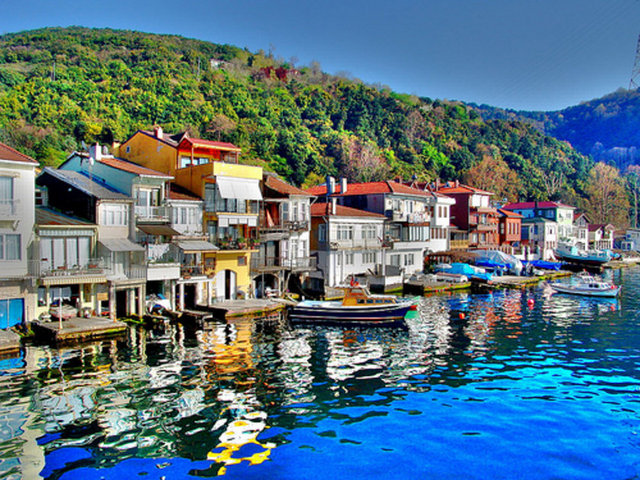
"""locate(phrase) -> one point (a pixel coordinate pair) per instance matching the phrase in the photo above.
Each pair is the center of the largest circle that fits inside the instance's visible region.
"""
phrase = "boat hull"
(610, 293)
(325, 313)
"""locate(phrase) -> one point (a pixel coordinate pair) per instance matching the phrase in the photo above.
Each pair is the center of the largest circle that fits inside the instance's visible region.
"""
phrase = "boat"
(357, 307)
(590, 258)
(471, 272)
(158, 303)
(589, 286)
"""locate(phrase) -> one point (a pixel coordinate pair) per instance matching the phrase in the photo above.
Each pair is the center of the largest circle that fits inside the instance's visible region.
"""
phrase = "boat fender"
(461, 316)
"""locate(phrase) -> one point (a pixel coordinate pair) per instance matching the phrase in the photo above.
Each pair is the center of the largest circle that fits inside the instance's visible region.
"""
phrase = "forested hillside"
(61, 86)
(607, 128)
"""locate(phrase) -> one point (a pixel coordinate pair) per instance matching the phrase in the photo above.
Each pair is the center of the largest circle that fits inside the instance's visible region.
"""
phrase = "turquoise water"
(508, 385)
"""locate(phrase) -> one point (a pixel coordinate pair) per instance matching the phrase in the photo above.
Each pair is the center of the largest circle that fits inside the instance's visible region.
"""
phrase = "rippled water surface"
(507, 385)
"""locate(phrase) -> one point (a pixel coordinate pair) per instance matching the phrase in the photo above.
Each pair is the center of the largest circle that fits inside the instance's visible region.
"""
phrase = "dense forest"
(607, 128)
(62, 86)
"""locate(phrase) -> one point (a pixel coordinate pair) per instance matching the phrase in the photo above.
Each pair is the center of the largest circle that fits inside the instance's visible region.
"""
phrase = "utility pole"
(634, 83)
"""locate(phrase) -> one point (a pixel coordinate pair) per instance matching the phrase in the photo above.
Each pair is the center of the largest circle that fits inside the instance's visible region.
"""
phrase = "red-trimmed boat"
(358, 307)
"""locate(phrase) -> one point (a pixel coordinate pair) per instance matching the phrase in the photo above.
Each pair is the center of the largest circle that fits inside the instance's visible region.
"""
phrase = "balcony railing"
(187, 271)
(144, 212)
(43, 268)
(459, 244)
(353, 244)
(136, 272)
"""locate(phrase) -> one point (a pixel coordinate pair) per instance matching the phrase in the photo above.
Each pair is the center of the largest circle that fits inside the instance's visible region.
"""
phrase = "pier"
(77, 329)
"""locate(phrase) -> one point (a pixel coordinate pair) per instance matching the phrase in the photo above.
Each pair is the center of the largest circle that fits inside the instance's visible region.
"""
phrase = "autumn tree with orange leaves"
(607, 200)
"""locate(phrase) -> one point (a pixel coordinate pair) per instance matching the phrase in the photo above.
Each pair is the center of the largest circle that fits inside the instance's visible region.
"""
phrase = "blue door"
(11, 312)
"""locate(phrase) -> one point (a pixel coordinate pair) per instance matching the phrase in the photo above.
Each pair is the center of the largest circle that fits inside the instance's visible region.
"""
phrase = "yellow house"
(231, 194)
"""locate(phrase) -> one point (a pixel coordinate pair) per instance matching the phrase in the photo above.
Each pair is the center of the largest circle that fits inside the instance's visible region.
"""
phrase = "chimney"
(331, 185)
(157, 131)
(333, 206)
(343, 185)
(457, 183)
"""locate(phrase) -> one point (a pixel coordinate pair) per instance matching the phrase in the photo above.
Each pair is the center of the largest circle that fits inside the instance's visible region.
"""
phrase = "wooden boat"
(358, 307)
(589, 286)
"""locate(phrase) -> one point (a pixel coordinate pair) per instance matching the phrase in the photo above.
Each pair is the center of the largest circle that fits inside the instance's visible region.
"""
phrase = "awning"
(73, 280)
(158, 230)
(239, 188)
(121, 245)
(196, 246)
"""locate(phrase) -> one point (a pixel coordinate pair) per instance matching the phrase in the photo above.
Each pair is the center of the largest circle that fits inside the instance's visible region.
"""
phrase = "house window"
(242, 261)
(369, 257)
(128, 148)
(348, 258)
(345, 232)
(10, 247)
(115, 215)
(368, 232)
(394, 260)
(408, 259)
(6, 190)
(322, 233)
(285, 212)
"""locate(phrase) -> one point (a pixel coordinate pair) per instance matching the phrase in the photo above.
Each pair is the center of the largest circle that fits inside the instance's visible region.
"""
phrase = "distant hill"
(607, 128)
(62, 86)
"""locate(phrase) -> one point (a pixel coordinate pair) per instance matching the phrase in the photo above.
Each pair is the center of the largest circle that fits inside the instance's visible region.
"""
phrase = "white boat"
(589, 286)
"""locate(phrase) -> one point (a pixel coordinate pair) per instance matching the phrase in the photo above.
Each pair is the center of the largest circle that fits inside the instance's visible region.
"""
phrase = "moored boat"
(572, 254)
(358, 307)
(589, 286)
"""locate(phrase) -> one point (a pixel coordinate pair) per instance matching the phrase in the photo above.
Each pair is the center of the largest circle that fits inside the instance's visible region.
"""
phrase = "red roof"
(508, 213)
(283, 187)
(532, 205)
(594, 227)
(8, 153)
(131, 167)
(451, 188)
(324, 208)
(368, 188)
(199, 142)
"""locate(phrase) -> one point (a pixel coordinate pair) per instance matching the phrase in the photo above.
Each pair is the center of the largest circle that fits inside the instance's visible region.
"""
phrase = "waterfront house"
(581, 230)
(284, 259)
(558, 212)
(601, 236)
(472, 213)
(541, 236)
(17, 199)
(231, 193)
(510, 227)
(65, 263)
(409, 212)
(151, 214)
(75, 193)
(347, 242)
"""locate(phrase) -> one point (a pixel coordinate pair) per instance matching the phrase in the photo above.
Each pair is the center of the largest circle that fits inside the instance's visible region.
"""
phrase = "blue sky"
(534, 54)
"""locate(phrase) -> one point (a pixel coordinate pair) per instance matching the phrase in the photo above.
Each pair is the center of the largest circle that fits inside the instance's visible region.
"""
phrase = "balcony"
(152, 214)
(91, 271)
(459, 244)
(366, 244)
(200, 270)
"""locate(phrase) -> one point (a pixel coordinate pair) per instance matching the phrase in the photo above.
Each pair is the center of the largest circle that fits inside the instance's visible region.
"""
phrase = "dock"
(426, 287)
(9, 342)
(229, 309)
(77, 329)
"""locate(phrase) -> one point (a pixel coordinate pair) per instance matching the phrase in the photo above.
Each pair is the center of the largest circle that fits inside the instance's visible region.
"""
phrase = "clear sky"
(521, 54)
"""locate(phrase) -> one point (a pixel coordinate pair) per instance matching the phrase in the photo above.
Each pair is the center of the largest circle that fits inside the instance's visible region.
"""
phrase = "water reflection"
(245, 398)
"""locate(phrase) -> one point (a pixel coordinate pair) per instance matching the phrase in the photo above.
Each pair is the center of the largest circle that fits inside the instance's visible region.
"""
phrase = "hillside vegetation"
(62, 86)
(607, 128)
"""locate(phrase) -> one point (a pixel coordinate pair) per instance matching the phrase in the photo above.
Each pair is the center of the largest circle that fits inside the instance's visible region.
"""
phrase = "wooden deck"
(77, 329)
(9, 342)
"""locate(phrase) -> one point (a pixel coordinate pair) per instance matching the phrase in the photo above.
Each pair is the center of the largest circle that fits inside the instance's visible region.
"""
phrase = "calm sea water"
(508, 385)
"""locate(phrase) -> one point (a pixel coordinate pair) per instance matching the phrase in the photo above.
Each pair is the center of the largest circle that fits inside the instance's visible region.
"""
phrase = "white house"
(347, 242)
(541, 234)
(601, 236)
(17, 213)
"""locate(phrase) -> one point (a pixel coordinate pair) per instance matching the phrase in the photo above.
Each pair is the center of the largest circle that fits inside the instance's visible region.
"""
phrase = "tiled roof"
(532, 205)
(46, 216)
(199, 142)
(368, 188)
(280, 186)
(324, 209)
(508, 213)
(85, 184)
(131, 167)
(176, 192)
(8, 153)
(450, 188)
(172, 140)
(593, 227)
